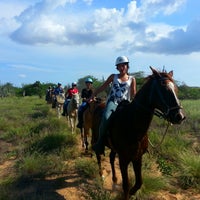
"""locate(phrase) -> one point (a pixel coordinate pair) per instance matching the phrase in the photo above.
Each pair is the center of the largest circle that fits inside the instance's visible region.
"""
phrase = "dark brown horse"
(128, 125)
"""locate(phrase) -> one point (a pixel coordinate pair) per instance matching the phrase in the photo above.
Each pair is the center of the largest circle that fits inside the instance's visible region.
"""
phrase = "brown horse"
(87, 122)
(128, 125)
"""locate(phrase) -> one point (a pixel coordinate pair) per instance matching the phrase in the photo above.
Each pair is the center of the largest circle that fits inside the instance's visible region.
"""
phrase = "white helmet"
(121, 59)
(74, 84)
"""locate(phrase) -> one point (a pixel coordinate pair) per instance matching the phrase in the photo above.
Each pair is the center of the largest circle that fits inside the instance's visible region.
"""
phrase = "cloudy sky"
(64, 40)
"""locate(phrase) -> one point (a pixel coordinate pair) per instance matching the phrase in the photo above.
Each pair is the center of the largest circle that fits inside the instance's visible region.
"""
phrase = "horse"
(87, 121)
(129, 124)
(60, 99)
(72, 111)
(48, 96)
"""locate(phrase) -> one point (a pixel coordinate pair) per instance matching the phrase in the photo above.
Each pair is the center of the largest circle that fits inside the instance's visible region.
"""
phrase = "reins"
(161, 115)
(163, 137)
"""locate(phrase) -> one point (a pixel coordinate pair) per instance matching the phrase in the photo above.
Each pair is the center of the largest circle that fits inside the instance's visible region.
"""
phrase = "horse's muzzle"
(177, 118)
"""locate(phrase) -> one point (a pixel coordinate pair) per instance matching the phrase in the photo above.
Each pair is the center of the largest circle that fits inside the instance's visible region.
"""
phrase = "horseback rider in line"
(86, 94)
(68, 96)
(56, 92)
(123, 88)
(48, 94)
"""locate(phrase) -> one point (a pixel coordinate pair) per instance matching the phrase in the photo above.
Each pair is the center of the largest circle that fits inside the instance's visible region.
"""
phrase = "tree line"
(38, 88)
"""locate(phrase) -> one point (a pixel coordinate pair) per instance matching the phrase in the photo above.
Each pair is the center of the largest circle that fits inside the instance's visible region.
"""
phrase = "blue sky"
(64, 40)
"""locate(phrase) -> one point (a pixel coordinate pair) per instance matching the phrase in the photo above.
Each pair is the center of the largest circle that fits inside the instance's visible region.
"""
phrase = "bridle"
(158, 112)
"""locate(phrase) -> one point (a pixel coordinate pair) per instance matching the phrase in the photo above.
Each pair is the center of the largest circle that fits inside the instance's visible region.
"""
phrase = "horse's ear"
(171, 73)
(155, 72)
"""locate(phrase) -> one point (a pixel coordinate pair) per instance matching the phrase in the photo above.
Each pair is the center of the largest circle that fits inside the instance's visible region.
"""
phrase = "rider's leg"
(66, 113)
(64, 108)
(81, 110)
(80, 117)
(99, 147)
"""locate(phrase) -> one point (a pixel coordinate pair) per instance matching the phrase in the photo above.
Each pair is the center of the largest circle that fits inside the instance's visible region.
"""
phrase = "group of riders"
(123, 87)
(86, 94)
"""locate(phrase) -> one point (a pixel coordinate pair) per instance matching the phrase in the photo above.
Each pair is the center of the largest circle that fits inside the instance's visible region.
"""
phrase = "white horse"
(72, 111)
(60, 99)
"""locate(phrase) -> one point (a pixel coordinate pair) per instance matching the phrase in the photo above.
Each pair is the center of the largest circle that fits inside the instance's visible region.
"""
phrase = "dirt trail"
(70, 186)
(74, 192)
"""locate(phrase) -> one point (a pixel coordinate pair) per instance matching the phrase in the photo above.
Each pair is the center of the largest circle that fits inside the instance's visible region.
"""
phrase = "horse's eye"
(163, 83)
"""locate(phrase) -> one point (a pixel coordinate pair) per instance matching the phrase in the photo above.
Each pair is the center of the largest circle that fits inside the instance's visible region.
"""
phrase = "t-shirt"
(86, 93)
(71, 91)
(58, 90)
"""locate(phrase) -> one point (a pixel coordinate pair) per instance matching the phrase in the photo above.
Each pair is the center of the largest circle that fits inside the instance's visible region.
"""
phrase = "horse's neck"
(75, 97)
(141, 104)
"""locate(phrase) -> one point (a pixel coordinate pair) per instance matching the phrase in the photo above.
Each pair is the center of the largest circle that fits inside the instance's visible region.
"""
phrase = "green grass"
(42, 145)
(190, 169)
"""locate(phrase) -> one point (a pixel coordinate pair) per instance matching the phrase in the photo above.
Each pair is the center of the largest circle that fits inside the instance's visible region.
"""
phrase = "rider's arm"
(104, 85)
(133, 88)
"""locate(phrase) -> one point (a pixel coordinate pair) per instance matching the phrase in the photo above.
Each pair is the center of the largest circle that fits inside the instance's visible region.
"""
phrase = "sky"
(62, 41)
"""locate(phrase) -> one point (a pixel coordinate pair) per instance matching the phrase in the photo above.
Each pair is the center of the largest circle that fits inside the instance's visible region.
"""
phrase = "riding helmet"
(88, 80)
(121, 59)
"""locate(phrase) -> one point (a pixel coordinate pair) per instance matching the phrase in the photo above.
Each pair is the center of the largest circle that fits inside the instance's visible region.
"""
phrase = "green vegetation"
(40, 146)
(39, 89)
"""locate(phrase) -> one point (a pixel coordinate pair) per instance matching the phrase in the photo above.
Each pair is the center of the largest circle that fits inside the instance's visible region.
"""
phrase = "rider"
(123, 88)
(48, 94)
(58, 90)
(68, 96)
(86, 94)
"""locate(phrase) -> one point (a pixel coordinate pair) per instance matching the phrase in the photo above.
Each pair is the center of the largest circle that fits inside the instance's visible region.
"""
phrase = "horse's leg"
(68, 121)
(98, 156)
(74, 123)
(58, 110)
(123, 163)
(112, 162)
(71, 124)
(86, 130)
(82, 137)
(137, 166)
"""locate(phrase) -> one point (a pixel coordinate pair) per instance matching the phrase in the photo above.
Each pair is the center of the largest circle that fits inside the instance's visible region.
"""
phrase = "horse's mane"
(161, 75)
(164, 75)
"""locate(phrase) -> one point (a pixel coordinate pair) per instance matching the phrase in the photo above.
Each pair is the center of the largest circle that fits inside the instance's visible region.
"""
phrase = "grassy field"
(35, 146)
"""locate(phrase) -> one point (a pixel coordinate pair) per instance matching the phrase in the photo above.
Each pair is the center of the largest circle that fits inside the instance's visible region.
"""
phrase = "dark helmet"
(88, 80)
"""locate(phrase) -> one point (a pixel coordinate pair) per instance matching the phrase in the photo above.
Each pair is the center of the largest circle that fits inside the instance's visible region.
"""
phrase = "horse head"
(75, 100)
(163, 96)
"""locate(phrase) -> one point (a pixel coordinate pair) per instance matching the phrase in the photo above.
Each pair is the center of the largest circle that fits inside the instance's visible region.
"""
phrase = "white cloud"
(22, 75)
(129, 28)
(151, 8)
(89, 2)
(30, 68)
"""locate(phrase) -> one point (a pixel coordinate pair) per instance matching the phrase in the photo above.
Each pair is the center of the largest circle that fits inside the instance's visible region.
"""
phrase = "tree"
(7, 90)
